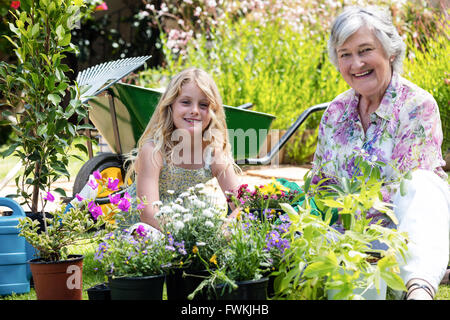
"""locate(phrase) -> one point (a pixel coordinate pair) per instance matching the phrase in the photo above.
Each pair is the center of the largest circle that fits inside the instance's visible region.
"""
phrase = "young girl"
(184, 143)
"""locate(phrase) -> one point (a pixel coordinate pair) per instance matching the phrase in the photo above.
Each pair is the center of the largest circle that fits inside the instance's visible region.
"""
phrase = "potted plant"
(65, 227)
(242, 265)
(341, 262)
(57, 275)
(263, 198)
(132, 261)
(193, 227)
(40, 97)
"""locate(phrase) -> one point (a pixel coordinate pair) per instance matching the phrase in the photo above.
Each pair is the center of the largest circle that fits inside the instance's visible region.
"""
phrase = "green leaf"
(35, 30)
(61, 191)
(60, 32)
(324, 266)
(10, 150)
(66, 40)
(54, 98)
(42, 129)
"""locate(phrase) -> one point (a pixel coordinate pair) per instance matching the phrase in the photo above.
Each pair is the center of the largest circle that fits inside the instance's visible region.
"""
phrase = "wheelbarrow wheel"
(109, 165)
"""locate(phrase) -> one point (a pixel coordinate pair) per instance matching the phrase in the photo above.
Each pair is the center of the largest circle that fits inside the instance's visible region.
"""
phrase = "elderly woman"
(396, 122)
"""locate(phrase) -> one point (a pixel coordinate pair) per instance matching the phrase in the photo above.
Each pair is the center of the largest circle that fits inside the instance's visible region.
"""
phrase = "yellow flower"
(195, 249)
(238, 216)
(213, 259)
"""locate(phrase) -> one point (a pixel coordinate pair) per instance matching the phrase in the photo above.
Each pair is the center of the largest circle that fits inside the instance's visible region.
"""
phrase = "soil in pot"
(137, 288)
(61, 280)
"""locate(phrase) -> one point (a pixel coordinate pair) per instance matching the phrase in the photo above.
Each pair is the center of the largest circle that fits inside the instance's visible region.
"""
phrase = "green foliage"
(320, 258)
(274, 55)
(137, 254)
(282, 72)
(35, 90)
(428, 67)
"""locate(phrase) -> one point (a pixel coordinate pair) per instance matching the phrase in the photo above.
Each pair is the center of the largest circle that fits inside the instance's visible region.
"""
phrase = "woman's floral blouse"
(405, 133)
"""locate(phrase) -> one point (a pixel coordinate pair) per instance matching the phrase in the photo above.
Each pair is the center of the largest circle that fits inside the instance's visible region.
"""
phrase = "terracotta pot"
(61, 280)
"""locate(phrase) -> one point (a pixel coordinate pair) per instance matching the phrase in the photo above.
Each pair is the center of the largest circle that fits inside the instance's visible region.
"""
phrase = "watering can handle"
(17, 210)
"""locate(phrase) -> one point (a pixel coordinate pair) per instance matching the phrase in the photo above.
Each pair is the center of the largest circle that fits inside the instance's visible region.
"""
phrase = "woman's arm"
(147, 182)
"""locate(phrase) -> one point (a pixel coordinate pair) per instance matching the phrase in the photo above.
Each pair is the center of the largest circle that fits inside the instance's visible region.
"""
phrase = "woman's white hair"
(375, 18)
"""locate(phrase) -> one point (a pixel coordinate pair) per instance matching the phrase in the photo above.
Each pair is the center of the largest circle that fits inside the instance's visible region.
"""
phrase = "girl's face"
(363, 63)
(190, 111)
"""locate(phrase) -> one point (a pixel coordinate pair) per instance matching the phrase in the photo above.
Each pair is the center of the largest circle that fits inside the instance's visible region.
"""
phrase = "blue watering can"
(15, 251)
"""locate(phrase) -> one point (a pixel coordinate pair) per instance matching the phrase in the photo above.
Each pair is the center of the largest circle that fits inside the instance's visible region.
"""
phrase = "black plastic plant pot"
(179, 286)
(99, 292)
(246, 290)
(137, 288)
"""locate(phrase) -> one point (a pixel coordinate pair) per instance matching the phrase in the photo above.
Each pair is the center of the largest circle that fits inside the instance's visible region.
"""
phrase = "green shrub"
(428, 67)
(283, 70)
(280, 71)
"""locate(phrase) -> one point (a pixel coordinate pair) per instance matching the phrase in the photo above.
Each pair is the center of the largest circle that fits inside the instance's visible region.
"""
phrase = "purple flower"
(114, 199)
(124, 205)
(170, 248)
(97, 175)
(49, 197)
(102, 248)
(93, 184)
(141, 231)
(274, 240)
(95, 210)
(140, 206)
(113, 185)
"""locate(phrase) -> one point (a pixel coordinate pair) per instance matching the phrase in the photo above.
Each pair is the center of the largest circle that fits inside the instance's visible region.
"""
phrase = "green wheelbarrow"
(122, 111)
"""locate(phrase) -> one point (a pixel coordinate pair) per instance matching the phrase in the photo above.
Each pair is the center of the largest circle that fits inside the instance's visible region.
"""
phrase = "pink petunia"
(95, 210)
(114, 199)
(49, 197)
(141, 230)
(97, 175)
(124, 205)
(113, 185)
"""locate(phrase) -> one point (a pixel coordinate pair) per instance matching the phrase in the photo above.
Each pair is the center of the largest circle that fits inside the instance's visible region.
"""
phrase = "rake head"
(100, 77)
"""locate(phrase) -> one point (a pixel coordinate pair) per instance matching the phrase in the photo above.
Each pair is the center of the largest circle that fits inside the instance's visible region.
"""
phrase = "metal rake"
(100, 77)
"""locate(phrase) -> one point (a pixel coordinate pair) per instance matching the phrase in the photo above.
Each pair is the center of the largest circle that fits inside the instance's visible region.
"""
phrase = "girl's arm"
(147, 182)
(225, 174)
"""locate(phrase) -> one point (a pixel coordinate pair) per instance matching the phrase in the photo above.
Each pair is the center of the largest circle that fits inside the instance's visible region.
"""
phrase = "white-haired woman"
(396, 122)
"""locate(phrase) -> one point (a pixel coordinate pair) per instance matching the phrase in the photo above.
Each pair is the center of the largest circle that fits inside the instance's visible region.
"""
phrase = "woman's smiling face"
(190, 111)
(364, 64)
